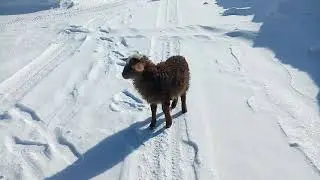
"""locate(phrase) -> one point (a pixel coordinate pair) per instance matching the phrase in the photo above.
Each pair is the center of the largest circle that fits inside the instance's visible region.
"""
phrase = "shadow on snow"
(291, 29)
(15, 7)
(110, 151)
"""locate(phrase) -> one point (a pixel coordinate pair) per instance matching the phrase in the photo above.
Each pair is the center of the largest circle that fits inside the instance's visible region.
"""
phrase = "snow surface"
(253, 104)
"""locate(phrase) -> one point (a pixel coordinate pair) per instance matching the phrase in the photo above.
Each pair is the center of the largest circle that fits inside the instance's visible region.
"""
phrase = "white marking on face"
(137, 56)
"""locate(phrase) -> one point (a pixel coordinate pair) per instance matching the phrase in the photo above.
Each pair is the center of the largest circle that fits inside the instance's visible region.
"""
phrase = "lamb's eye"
(135, 60)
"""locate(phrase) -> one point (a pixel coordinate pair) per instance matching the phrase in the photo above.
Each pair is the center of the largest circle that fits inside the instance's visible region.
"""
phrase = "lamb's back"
(167, 79)
(173, 73)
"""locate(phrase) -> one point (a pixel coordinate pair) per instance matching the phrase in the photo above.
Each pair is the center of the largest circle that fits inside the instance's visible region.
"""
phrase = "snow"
(253, 104)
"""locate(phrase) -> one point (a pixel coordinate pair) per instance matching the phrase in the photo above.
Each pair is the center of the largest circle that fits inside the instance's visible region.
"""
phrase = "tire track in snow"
(18, 85)
(63, 14)
(167, 151)
(301, 135)
(296, 119)
(199, 32)
(298, 122)
(155, 160)
(174, 49)
(167, 17)
(196, 160)
(65, 111)
(296, 145)
(291, 85)
(15, 87)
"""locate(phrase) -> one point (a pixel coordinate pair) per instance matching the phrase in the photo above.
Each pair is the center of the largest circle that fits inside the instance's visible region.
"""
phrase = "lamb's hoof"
(184, 111)
(168, 126)
(152, 126)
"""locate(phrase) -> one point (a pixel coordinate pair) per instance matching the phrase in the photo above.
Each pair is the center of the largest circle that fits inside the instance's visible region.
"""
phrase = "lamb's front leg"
(183, 102)
(166, 111)
(154, 116)
(174, 103)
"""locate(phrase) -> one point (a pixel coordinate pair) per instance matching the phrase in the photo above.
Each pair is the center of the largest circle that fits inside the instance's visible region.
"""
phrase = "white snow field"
(253, 103)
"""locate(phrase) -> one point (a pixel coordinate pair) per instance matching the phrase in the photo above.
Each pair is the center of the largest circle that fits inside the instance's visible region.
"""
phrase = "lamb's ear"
(139, 67)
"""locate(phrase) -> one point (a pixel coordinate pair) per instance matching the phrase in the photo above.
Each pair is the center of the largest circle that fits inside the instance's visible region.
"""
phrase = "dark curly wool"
(160, 83)
(164, 81)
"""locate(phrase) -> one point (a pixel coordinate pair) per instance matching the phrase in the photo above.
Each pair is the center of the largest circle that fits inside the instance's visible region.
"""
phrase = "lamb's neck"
(149, 65)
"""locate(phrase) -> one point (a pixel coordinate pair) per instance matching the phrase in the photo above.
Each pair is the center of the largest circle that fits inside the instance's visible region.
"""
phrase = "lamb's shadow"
(110, 151)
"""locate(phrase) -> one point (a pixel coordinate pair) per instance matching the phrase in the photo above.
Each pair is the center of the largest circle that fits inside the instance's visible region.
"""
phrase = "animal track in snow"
(126, 100)
(5, 116)
(118, 53)
(29, 111)
(106, 39)
(45, 147)
(65, 142)
(124, 42)
(129, 94)
(105, 30)
(31, 154)
(207, 28)
(76, 29)
(202, 37)
(251, 103)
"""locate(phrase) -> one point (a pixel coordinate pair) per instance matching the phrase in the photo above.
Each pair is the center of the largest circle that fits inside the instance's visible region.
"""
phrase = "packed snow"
(253, 104)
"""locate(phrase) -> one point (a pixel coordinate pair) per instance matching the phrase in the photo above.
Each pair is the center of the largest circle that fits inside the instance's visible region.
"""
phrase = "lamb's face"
(134, 67)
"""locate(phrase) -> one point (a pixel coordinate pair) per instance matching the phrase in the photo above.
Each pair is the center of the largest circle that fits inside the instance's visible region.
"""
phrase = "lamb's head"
(135, 66)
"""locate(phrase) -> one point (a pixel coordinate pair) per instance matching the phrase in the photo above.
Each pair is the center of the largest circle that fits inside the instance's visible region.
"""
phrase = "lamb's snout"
(125, 73)
(125, 76)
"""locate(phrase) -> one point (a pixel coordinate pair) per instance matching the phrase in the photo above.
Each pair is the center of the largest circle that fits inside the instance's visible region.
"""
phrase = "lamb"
(159, 83)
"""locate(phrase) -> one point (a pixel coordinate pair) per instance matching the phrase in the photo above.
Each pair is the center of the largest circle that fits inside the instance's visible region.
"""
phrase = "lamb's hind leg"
(183, 102)
(166, 111)
(154, 116)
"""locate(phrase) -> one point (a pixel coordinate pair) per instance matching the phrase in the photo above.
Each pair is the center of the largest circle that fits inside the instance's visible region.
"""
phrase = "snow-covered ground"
(253, 104)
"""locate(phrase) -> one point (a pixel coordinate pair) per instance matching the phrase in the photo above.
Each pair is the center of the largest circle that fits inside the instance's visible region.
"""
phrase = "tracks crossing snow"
(16, 87)
(71, 41)
(49, 132)
(57, 15)
(166, 156)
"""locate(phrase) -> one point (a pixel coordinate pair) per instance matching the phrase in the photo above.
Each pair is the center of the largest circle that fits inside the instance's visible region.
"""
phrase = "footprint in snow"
(126, 100)
(5, 116)
(76, 29)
